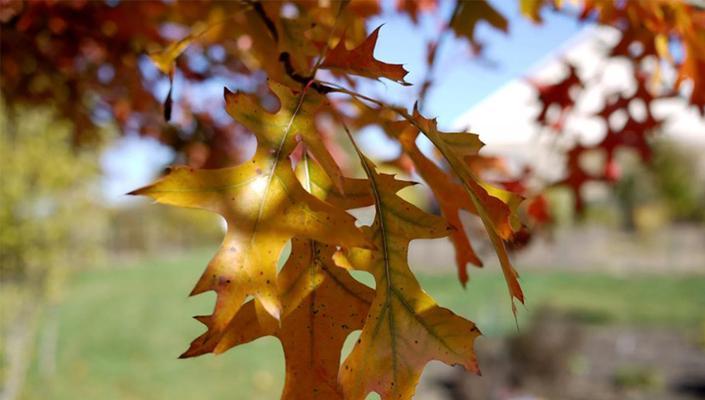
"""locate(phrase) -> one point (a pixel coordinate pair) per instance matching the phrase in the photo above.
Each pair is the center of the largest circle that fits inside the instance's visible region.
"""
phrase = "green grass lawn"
(122, 328)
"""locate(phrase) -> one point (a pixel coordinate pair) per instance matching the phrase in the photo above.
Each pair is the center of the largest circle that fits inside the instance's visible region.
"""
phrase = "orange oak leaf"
(405, 328)
(693, 69)
(500, 206)
(313, 331)
(361, 61)
(450, 195)
(416, 7)
(496, 207)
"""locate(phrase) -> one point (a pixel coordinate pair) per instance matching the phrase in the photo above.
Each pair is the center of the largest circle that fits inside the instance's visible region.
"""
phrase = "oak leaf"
(469, 13)
(296, 116)
(322, 304)
(496, 207)
(531, 9)
(313, 331)
(264, 206)
(405, 328)
(165, 61)
(450, 195)
(361, 61)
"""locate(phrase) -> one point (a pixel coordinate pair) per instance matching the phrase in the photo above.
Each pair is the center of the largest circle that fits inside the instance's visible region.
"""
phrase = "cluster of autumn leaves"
(313, 303)
(292, 192)
(290, 200)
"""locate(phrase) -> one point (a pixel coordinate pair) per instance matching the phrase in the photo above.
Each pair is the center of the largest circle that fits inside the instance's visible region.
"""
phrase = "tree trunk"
(20, 336)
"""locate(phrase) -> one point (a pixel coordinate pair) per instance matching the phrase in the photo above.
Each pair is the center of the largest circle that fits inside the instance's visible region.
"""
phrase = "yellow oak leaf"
(322, 304)
(469, 13)
(296, 116)
(164, 59)
(264, 206)
(531, 9)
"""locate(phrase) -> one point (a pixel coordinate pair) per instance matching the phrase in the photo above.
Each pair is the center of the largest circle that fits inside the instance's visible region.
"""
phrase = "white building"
(505, 119)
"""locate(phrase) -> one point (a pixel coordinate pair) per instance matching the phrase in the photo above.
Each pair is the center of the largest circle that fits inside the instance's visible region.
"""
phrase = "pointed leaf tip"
(360, 61)
(139, 191)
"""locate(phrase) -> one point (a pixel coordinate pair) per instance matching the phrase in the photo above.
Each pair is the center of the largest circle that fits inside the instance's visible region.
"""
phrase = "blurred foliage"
(48, 190)
(670, 188)
(87, 59)
(637, 377)
(679, 179)
(140, 230)
(51, 223)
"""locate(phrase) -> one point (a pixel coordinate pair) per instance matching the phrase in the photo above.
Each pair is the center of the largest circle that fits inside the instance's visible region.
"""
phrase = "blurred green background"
(121, 327)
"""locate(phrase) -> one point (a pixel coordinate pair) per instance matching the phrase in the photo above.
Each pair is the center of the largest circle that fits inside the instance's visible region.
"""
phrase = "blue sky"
(461, 80)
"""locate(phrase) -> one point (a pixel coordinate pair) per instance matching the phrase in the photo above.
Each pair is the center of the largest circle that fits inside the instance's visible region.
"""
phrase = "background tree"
(47, 188)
